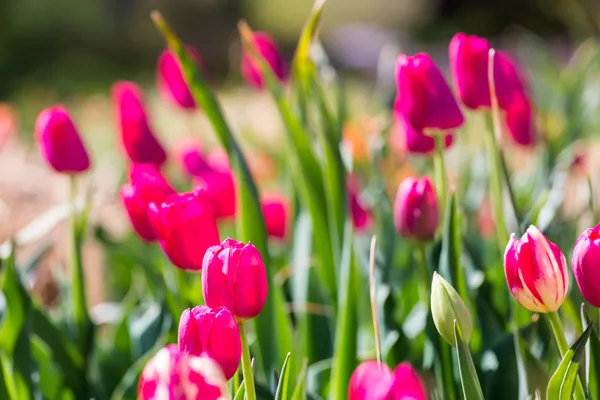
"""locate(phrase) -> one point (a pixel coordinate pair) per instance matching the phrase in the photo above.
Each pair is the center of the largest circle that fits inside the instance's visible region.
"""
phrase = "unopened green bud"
(446, 307)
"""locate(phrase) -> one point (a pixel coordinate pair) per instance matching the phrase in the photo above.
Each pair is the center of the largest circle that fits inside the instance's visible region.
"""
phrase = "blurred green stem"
(424, 280)
(439, 166)
(247, 363)
(563, 348)
(496, 186)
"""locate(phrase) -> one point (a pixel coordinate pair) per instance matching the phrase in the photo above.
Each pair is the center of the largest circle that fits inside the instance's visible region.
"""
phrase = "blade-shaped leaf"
(468, 374)
(302, 62)
(282, 385)
(592, 359)
(562, 382)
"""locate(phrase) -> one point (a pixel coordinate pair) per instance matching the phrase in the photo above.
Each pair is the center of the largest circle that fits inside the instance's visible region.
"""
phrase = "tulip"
(276, 213)
(234, 276)
(425, 98)
(220, 188)
(586, 265)
(174, 375)
(536, 271)
(416, 214)
(374, 381)
(171, 82)
(447, 307)
(147, 185)
(213, 332)
(188, 154)
(137, 138)
(519, 121)
(266, 47)
(415, 142)
(361, 215)
(185, 227)
(59, 142)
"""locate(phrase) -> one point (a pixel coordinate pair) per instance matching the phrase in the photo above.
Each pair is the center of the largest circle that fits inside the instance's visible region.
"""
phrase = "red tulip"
(416, 214)
(174, 375)
(519, 121)
(137, 137)
(276, 213)
(188, 155)
(425, 98)
(234, 276)
(586, 265)
(220, 188)
(59, 142)
(213, 332)
(374, 381)
(408, 138)
(147, 185)
(185, 227)
(171, 82)
(266, 47)
(536, 271)
(361, 215)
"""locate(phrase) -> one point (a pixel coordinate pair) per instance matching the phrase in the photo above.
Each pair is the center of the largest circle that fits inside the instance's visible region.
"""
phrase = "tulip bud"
(447, 307)
(171, 82)
(220, 189)
(147, 185)
(371, 381)
(586, 265)
(425, 98)
(266, 47)
(214, 332)
(407, 384)
(59, 142)
(234, 276)
(536, 271)
(361, 215)
(276, 213)
(185, 227)
(416, 214)
(137, 138)
(172, 374)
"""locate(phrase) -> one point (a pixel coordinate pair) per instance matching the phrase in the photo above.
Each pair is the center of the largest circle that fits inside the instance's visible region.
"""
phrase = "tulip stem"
(424, 279)
(563, 348)
(439, 166)
(247, 363)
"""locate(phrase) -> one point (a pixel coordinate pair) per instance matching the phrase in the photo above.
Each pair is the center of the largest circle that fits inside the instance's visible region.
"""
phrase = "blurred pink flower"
(266, 47)
(276, 211)
(171, 82)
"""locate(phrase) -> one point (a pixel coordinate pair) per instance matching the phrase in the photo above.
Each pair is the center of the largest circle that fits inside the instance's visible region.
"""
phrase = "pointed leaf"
(282, 386)
(468, 375)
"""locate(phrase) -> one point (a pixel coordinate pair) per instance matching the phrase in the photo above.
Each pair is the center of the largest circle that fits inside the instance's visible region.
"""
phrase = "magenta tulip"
(185, 227)
(426, 100)
(137, 137)
(266, 47)
(276, 213)
(188, 154)
(361, 215)
(519, 121)
(586, 265)
(212, 331)
(59, 142)
(234, 276)
(416, 214)
(407, 384)
(146, 185)
(171, 82)
(174, 375)
(374, 381)
(536, 271)
(220, 188)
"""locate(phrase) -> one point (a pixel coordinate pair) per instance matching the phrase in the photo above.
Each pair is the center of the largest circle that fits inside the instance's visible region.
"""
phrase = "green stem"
(496, 187)
(563, 348)
(423, 271)
(439, 166)
(246, 363)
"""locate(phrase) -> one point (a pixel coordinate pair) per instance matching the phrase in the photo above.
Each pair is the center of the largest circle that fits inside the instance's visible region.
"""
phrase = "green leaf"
(272, 325)
(468, 374)
(562, 382)
(282, 386)
(239, 395)
(346, 325)
(302, 62)
(299, 389)
(592, 359)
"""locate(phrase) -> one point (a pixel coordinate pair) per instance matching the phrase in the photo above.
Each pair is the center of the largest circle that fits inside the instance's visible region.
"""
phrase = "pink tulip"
(174, 375)
(374, 381)
(426, 100)
(586, 265)
(188, 154)
(234, 276)
(214, 332)
(220, 188)
(407, 137)
(146, 185)
(416, 214)
(171, 82)
(137, 137)
(361, 215)
(59, 142)
(266, 47)
(536, 271)
(519, 121)
(276, 213)
(185, 227)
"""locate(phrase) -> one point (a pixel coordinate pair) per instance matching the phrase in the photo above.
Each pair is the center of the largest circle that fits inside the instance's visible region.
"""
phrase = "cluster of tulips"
(212, 338)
